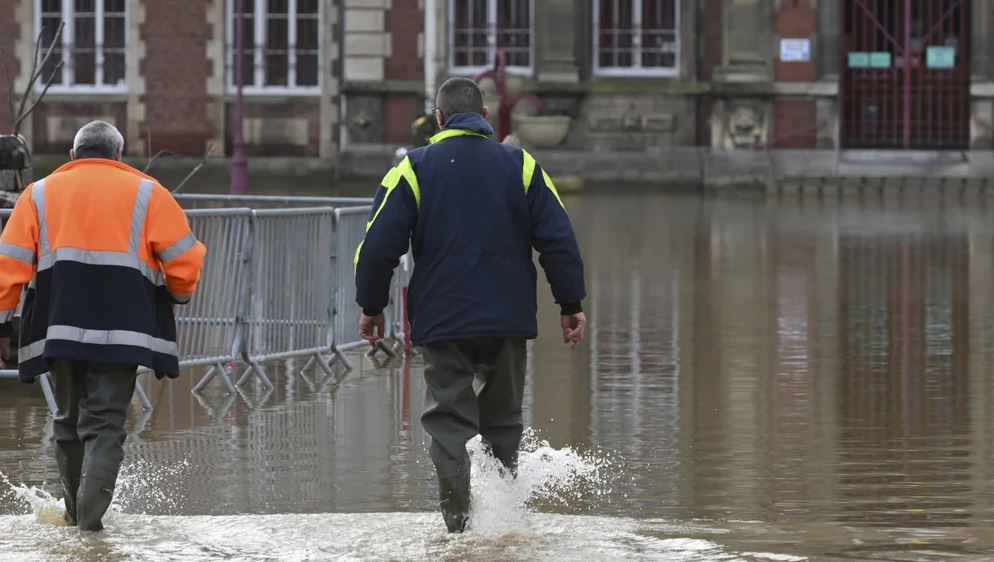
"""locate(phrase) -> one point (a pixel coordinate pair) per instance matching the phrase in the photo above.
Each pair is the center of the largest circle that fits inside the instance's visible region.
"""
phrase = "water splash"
(142, 488)
(562, 477)
(148, 488)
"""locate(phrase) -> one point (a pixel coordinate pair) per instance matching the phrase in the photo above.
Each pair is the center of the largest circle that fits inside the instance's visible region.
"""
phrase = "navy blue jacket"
(472, 210)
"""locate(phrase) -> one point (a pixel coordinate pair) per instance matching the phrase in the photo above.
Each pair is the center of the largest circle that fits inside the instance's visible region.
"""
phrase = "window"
(92, 44)
(636, 37)
(281, 45)
(479, 28)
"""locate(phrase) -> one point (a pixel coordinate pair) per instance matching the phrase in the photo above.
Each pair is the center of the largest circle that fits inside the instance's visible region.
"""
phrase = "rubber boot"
(453, 494)
(70, 469)
(96, 491)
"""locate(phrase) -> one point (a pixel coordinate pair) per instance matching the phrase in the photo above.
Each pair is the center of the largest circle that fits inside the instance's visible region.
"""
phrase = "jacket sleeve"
(18, 253)
(174, 245)
(553, 238)
(388, 237)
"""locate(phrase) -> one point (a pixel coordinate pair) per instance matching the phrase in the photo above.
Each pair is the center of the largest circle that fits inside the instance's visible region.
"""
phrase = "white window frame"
(67, 39)
(636, 69)
(491, 41)
(258, 45)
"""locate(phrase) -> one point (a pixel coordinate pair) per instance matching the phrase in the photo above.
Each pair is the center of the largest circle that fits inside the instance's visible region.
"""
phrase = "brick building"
(333, 77)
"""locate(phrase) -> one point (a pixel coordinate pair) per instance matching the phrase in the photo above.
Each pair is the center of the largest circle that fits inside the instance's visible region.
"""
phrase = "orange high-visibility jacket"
(107, 252)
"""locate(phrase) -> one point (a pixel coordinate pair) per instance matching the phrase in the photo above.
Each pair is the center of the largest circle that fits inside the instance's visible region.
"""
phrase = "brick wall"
(795, 123)
(10, 32)
(398, 113)
(290, 128)
(404, 21)
(708, 50)
(796, 20)
(176, 71)
(55, 122)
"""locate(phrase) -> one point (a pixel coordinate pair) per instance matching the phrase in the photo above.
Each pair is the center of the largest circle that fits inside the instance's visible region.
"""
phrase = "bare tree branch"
(11, 94)
(152, 160)
(37, 67)
(207, 154)
(34, 104)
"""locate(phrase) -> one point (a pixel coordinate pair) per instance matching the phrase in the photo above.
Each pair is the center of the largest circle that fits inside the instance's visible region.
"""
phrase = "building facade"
(327, 78)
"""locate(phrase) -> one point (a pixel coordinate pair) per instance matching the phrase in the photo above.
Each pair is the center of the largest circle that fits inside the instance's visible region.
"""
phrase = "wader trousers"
(454, 413)
(92, 402)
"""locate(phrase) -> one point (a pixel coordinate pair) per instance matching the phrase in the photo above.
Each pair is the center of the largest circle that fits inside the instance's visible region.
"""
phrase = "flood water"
(763, 380)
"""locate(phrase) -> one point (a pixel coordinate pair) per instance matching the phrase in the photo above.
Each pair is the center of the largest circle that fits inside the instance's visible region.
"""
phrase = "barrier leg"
(218, 370)
(143, 397)
(337, 357)
(46, 389)
(255, 370)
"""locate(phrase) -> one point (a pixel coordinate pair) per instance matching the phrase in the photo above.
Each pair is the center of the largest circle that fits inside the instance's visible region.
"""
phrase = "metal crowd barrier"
(210, 329)
(293, 287)
(277, 283)
(205, 200)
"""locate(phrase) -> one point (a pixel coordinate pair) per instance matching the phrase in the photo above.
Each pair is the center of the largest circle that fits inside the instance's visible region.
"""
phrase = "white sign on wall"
(795, 50)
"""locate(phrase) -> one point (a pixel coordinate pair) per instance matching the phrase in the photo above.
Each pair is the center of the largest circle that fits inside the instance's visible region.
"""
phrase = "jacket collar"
(464, 124)
(72, 164)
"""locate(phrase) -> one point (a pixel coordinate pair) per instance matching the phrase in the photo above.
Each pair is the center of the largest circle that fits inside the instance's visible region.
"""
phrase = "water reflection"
(803, 376)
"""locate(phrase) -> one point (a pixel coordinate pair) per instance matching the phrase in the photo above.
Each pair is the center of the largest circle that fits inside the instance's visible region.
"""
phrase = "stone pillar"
(330, 83)
(747, 52)
(827, 43)
(217, 75)
(134, 141)
(981, 31)
(555, 41)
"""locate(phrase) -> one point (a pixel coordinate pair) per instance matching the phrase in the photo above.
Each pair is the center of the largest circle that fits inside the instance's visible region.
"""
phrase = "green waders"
(454, 413)
(92, 400)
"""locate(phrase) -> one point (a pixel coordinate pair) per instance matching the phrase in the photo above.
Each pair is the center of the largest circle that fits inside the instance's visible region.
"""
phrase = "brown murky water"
(763, 381)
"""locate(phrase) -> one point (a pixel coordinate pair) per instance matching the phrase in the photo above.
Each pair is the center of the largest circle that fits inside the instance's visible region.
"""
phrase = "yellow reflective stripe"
(390, 181)
(407, 171)
(527, 169)
(552, 188)
(355, 262)
(449, 133)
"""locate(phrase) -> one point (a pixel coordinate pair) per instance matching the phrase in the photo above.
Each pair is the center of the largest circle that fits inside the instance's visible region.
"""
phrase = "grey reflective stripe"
(179, 297)
(7, 315)
(97, 337)
(138, 215)
(177, 249)
(92, 257)
(38, 198)
(16, 252)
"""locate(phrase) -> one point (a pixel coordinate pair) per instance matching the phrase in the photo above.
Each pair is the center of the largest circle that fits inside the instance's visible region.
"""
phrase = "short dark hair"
(459, 95)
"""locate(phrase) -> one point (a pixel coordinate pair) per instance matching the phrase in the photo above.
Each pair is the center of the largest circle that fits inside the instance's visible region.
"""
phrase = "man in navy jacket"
(472, 210)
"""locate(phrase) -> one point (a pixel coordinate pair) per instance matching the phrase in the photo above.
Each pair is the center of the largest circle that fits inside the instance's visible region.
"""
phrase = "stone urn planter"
(542, 131)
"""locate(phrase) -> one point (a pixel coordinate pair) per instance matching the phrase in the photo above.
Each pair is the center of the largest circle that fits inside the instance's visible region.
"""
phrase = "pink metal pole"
(907, 74)
(238, 160)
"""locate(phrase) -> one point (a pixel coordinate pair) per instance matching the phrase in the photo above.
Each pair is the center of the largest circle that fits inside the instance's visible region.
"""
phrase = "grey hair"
(98, 139)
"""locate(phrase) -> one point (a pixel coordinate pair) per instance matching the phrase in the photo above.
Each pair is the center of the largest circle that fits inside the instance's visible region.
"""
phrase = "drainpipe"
(431, 45)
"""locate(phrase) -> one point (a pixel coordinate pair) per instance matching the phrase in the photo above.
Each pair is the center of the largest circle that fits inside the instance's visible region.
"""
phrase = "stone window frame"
(68, 50)
(636, 69)
(256, 77)
(492, 33)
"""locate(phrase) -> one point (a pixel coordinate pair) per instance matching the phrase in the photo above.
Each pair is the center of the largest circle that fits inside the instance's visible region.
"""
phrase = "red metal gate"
(905, 79)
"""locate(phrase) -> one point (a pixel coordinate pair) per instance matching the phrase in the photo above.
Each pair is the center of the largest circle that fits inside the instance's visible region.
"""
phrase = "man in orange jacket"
(108, 253)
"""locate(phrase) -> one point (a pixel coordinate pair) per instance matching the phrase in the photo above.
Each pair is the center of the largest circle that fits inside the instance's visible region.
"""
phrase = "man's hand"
(4, 352)
(574, 326)
(372, 328)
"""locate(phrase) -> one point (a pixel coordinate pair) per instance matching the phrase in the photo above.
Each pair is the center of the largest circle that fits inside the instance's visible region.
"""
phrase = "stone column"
(134, 142)
(747, 30)
(555, 41)
(217, 78)
(330, 83)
